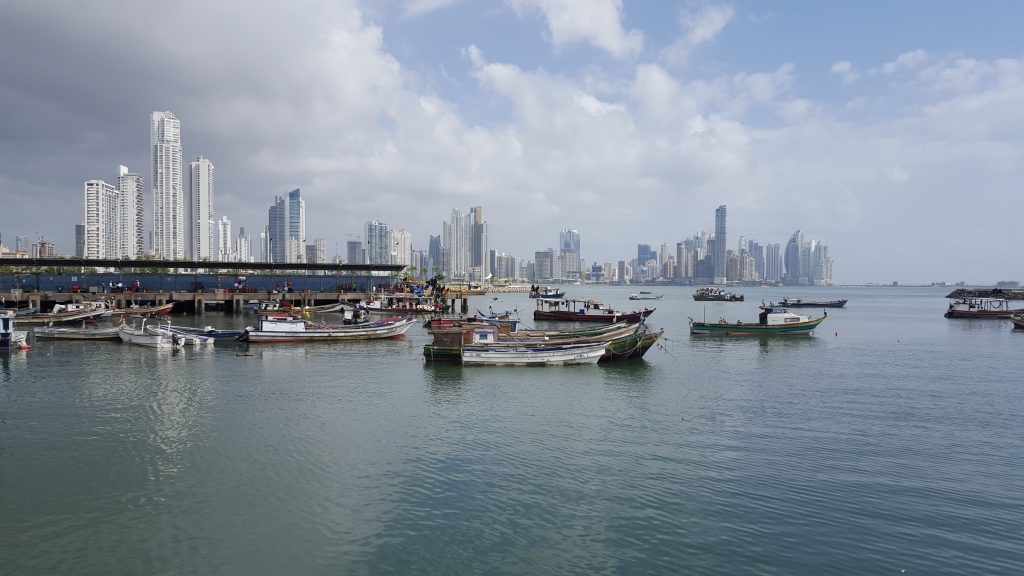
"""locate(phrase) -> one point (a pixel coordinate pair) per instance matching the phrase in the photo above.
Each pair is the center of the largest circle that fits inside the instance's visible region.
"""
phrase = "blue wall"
(187, 282)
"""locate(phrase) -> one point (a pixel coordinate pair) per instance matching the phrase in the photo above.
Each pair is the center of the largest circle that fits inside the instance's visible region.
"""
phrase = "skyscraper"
(133, 211)
(378, 243)
(718, 258)
(200, 211)
(243, 247)
(224, 252)
(401, 247)
(286, 228)
(354, 252)
(477, 245)
(569, 253)
(791, 259)
(102, 220)
(456, 253)
(168, 200)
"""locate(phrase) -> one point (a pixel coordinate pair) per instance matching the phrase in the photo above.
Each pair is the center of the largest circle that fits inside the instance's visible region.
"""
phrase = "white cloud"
(597, 22)
(700, 24)
(417, 8)
(905, 61)
(845, 70)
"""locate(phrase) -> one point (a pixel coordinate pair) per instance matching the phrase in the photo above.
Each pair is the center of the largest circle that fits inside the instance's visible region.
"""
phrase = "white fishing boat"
(184, 337)
(141, 332)
(281, 328)
(642, 295)
(11, 339)
(533, 355)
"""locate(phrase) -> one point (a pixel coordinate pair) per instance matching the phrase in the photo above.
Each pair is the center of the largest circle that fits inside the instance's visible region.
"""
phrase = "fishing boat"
(403, 303)
(11, 339)
(88, 305)
(631, 346)
(179, 336)
(82, 333)
(713, 294)
(621, 340)
(552, 309)
(1018, 321)
(771, 321)
(641, 295)
(144, 310)
(801, 303)
(281, 328)
(60, 316)
(981, 308)
(208, 331)
(546, 292)
(533, 356)
(145, 331)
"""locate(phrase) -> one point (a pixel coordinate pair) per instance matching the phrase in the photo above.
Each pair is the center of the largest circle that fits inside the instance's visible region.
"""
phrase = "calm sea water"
(891, 442)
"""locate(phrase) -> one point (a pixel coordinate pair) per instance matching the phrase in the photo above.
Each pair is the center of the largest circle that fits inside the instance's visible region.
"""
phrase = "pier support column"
(200, 305)
(465, 305)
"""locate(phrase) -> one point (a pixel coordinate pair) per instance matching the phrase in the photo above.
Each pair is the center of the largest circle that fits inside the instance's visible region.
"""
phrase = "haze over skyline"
(892, 132)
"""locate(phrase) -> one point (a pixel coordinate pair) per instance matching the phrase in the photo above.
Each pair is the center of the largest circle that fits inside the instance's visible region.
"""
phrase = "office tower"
(80, 240)
(354, 252)
(224, 240)
(718, 258)
(286, 228)
(456, 262)
(401, 247)
(435, 254)
(773, 263)
(477, 245)
(243, 246)
(378, 243)
(569, 253)
(133, 212)
(644, 254)
(102, 220)
(680, 261)
(791, 260)
(200, 211)
(320, 245)
(544, 264)
(169, 230)
(21, 244)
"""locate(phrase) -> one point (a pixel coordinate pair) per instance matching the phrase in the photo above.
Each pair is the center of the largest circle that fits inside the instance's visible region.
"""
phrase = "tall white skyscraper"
(102, 220)
(456, 249)
(169, 231)
(243, 248)
(401, 245)
(378, 243)
(224, 253)
(200, 211)
(133, 212)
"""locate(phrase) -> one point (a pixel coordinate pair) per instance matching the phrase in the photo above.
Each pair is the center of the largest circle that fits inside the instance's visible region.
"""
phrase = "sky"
(893, 132)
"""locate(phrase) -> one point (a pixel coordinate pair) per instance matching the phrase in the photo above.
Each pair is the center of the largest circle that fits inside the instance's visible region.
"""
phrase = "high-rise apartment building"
(243, 246)
(133, 213)
(169, 231)
(456, 252)
(286, 228)
(102, 220)
(80, 240)
(224, 252)
(401, 247)
(569, 253)
(378, 243)
(791, 260)
(544, 264)
(773, 263)
(354, 253)
(202, 230)
(476, 228)
(718, 257)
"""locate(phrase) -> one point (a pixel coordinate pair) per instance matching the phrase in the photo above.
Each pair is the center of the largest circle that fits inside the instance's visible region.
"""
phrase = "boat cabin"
(776, 316)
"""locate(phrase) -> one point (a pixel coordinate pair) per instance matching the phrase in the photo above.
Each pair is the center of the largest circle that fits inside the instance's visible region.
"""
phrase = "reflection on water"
(445, 381)
(12, 360)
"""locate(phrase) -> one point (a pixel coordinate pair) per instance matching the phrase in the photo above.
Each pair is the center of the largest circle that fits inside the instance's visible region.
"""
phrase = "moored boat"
(631, 346)
(773, 320)
(61, 316)
(140, 332)
(546, 292)
(556, 355)
(801, 303)
(981, 308)
(714, 294)
(1018, 321)
(642, 295)
(82, 333)
(11, 339)
(208, 331)
(278, 329)
(585, 311)
(144, 310)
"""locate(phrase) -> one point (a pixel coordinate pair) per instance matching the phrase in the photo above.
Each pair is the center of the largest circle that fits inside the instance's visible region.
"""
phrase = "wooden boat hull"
(593, 316)
(538, 356)
(630, 347)
(59, 318)
(368, 331)
(735, 298)
(739, 329)
(812, 304)
(161, 310)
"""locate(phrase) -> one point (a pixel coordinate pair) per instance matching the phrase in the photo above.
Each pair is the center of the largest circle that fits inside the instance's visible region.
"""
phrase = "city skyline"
(629, 122)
